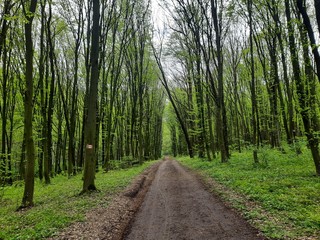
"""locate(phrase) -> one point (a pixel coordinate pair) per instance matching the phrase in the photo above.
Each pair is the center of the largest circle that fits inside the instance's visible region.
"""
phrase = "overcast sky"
(158, 14)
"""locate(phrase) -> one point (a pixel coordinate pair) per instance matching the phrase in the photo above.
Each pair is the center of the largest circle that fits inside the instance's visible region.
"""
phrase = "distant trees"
(243, 76)
(198, 36)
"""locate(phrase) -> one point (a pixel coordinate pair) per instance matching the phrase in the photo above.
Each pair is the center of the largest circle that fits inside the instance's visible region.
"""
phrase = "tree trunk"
(317, 8)
(307, 23)
(59, 145)
(48, 162)
(254, 109)
(273, 90)
(222, 115)
(310, 103)
(288, 124)
(3, 164)
(211, 139)
(86, 97)
(74, 94)
(7, 5)
(27, 199)
(90, 131)
(22, 163)
(312, 140)
(173, 140)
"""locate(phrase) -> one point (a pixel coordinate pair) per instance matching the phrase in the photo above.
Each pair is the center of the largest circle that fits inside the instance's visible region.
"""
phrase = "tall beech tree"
(29, 8)
(253, 89)
(90, 130)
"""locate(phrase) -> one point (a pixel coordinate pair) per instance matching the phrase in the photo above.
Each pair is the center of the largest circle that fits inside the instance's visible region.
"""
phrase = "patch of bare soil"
(111, 222)
(177, 206)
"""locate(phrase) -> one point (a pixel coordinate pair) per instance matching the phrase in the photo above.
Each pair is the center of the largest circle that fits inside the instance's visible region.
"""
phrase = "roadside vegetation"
(279, 196)
(58, 204)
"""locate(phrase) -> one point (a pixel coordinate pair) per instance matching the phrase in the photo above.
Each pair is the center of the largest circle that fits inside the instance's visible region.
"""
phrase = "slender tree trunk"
(27, 199)
(86, 97)
(43, 143)
(59, 144)
(222, 115)
(51, 96)
(63, 153)
(3, 168)
(306, 20)
(288, 123)
(273, 90)
(317, 8)
(74, 94)
(253, 89)
(235, 92)
(147, 153)
(22, 163)
(211, 139)
(9, 147)
(7, 5)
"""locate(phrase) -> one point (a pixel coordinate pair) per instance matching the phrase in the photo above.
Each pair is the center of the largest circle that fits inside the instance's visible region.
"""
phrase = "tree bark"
(312, 140)
(27, 199)
(7, 5)
(288, 124)
(48, 162)
(90, 131)
(307, 23)
(317, 9)
(222, 115)
(253, 88)
(3, 164)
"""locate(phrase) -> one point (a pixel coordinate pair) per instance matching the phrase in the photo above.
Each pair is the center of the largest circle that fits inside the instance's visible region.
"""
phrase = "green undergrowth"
(280, 195)
(58, 204)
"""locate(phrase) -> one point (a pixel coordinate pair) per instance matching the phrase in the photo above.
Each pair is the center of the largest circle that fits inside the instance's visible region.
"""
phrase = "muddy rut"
(177, 206)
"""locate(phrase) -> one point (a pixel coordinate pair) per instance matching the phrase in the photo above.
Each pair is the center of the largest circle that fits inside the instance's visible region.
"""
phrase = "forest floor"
(167, 201)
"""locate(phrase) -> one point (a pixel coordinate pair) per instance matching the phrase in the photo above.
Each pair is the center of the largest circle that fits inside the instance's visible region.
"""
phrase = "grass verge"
(58, 204)
(280, 196)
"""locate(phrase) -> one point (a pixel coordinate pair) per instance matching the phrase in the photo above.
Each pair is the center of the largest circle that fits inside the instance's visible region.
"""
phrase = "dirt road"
(166, 202)
(178, 207)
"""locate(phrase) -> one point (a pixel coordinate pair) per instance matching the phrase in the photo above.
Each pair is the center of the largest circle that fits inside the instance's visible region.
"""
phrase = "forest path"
(177, 206)
(167, 201)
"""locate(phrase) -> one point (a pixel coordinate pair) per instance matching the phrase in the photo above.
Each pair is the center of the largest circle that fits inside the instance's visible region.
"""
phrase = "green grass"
(58, 204)
(280, 196)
